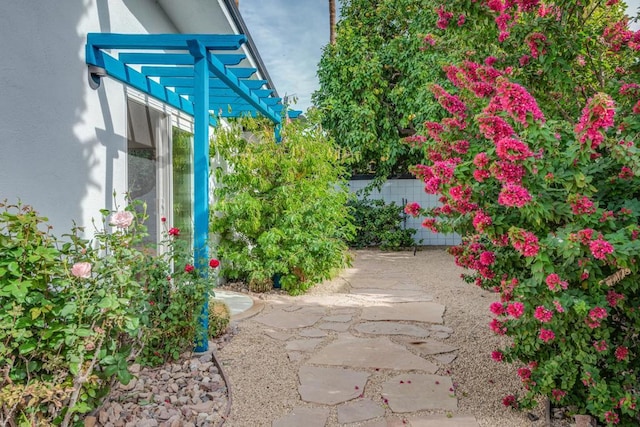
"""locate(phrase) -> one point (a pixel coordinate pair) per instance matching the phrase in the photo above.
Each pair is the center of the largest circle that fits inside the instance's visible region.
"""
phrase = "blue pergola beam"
(137, 80)
(157, 71)
(165, 41)
(217, 68)
(262, 93)
(218, 105)
(187, 82)
(236, 100)
(175, 58)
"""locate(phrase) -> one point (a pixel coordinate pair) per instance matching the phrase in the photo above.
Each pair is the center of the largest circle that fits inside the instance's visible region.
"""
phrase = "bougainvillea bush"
(546, 195)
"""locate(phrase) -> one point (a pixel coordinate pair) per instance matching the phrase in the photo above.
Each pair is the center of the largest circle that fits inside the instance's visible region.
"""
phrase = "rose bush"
(545, 192)
(75, 313)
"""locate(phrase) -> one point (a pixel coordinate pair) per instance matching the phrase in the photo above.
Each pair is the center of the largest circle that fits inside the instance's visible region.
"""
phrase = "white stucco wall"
(63, 146)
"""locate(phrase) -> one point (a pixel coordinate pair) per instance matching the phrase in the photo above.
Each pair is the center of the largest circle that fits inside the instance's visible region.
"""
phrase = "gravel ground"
(264, 382)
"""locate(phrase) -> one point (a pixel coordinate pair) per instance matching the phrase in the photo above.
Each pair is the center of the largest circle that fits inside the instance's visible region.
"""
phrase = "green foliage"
(281, 207)
(379, 224)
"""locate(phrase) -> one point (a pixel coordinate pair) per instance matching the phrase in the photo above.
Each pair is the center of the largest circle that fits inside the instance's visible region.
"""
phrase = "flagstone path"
(375, 356)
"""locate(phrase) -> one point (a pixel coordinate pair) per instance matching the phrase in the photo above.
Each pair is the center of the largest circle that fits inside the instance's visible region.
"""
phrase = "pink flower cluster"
(554, 283)
(512, 150)
(600, 248)
(536, 42)
(613, 298)
(481, 220)
(451, 103)
(515, 100)
(513, 195)
(443, 18)
(600, 346)
(524, 242)
(597, 116)
(412, 209)
(515, 309)
(542, 314)
(494, 128)
(581, 205)
(546, 335)
(621, 353)
(596, 315)
(508, 172)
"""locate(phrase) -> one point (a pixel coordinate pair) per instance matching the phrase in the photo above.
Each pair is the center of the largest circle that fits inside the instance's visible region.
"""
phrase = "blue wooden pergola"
(183, 71)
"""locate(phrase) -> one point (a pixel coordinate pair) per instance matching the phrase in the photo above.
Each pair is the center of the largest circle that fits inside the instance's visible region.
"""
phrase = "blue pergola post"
(201, 177)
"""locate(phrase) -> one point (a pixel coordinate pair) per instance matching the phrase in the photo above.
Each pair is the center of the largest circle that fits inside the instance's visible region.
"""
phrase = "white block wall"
(409, 190)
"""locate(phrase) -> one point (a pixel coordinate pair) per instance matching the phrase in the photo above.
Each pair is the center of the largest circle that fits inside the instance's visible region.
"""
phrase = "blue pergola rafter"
(193, 79)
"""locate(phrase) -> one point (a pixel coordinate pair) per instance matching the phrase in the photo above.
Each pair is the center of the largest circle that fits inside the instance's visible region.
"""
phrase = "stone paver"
(429, 312)
(306, 316)
(302, 416)
(330, 386)
(374, 353)
(303, 344)
(417, 392)
(392, 328)
(359, 410)
(277, 335)
(313, 333)
(341, 318)
(426, 346)
(335, 326)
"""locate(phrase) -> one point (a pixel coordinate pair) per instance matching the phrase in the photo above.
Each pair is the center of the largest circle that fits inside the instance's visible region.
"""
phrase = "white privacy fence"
(402, 191)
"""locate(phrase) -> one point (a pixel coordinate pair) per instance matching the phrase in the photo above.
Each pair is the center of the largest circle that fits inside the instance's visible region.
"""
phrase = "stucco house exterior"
(75, 133)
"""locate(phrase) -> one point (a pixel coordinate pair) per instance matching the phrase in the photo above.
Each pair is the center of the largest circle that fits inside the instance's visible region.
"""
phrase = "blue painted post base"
(202, 337)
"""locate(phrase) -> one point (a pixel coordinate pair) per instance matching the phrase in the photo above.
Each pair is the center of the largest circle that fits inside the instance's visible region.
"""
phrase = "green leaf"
(27, 347)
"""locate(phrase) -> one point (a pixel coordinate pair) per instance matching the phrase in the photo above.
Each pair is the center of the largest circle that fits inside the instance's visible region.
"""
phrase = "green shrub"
(379, 224)
(282, 207)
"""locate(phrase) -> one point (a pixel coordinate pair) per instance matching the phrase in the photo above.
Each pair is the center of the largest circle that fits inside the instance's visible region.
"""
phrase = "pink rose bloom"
(214, 263)
(81, 270)
(122, 219)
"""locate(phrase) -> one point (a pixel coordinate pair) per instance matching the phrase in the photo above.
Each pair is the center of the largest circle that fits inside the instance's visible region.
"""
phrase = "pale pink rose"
(122, 219)
(81, 269)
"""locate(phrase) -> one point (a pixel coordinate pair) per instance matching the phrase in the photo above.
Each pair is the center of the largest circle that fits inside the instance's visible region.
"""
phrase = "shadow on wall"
(45, 162)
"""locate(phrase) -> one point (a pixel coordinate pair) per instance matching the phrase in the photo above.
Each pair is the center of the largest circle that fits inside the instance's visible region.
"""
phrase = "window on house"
(160, 170)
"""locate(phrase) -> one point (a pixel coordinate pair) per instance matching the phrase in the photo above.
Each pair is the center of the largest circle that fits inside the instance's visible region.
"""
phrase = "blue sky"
(290, 35)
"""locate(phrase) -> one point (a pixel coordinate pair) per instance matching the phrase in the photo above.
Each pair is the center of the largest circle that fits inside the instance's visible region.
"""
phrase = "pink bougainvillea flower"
(516, 101)
(554, 283)
(613, 298)
(487, 258)
(524, 242)
(581, 205)
(558, 394)
(122, 219)
(497, 356)
(497, 308)
(611, 417)
(81, 270)
(621, 353)
(546, 335)
(497, 327)
(597, 117)
(510, 401)
(512, 149)
(600, 248)
(559, 307)
(412, 209)
(515, 309)
(189, 268)
(214, 263)
(600, 345)
(542, 314)
(536, 43)
(514, 195)
(174, 231)
(481, 220)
